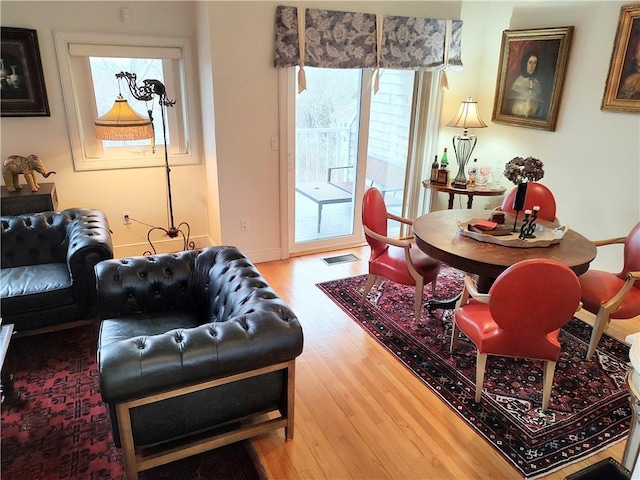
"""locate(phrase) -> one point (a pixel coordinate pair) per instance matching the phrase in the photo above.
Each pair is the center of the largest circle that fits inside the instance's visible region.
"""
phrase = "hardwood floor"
(359, 412)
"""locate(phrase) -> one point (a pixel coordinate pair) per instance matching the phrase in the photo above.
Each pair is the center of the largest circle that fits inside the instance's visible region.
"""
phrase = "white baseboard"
(161, 246)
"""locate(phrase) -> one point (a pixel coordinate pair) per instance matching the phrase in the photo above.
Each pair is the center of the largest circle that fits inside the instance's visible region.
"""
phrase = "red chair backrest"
(537, 194)
(533, 298)
(632, 254)
(374, 217)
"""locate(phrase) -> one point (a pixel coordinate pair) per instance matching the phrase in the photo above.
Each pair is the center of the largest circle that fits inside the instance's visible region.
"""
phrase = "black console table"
(26, 201)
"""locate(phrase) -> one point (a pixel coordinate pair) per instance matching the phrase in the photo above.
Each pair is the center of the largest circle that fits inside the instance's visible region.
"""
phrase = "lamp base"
(459, 184)
(172, 232)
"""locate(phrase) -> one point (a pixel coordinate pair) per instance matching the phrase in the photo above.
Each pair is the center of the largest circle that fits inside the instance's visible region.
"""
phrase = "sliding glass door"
(327, 121)
(341, 139)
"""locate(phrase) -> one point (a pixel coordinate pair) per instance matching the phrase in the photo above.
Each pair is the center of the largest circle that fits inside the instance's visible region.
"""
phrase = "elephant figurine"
(15, 165)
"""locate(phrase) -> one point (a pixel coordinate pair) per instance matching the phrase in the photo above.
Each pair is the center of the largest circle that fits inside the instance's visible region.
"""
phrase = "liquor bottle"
(445, 160)
(473, 173)
(434, 171)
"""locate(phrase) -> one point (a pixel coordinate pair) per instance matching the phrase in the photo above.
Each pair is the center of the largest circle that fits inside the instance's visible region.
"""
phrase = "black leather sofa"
(193, 343)
(47, 278)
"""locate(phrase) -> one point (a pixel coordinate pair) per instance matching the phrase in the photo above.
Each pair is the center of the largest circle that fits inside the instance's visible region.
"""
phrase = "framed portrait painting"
(531, 75)
(22, 92)
(622, 90)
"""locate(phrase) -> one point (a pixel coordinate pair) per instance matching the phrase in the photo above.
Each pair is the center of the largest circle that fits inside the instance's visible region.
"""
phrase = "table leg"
(319, 216)
(483, 284)
(451, 195)
(469, 200)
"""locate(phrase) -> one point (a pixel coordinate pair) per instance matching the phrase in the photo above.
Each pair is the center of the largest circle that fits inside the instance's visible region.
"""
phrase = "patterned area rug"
(589, 408)
(62, 429)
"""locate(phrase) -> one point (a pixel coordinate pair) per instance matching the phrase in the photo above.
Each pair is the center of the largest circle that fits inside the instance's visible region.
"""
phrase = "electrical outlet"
(126, 219)
(244, 224)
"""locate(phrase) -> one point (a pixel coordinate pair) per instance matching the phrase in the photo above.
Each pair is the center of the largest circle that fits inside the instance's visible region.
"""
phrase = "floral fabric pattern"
(348, 40)
(287, 46)
(410, 43)
(340, 39)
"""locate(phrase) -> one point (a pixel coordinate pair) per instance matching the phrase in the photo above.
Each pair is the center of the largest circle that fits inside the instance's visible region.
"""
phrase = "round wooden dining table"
(438, 235)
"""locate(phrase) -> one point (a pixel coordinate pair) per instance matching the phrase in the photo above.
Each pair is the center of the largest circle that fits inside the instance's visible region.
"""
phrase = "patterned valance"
(362, 40)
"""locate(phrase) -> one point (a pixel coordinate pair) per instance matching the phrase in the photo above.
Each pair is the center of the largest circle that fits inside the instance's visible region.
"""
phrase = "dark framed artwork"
(23, 92)
(531, 76)
(622, 91)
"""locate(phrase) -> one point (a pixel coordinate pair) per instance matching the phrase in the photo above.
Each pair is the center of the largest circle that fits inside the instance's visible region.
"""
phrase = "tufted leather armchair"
(47, 277)
(189, 343)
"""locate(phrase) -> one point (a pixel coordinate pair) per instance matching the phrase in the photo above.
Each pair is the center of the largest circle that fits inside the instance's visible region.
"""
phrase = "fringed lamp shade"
(122, 123)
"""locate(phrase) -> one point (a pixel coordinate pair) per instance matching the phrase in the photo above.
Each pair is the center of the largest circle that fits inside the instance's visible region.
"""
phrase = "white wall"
(245, 86)
(592, 159)
(142, 192)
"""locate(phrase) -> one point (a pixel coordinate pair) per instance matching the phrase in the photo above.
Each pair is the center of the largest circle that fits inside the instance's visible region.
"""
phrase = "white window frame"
(78, 96)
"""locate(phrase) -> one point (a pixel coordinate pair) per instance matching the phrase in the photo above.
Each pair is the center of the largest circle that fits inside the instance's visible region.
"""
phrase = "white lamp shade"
(123, 123)
(467, 116)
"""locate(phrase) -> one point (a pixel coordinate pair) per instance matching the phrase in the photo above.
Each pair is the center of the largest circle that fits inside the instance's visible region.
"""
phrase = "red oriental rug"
(589, 408)
(62, 432)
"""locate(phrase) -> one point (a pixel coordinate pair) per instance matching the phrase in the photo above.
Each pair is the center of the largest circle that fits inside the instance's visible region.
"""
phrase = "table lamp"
(467, 117)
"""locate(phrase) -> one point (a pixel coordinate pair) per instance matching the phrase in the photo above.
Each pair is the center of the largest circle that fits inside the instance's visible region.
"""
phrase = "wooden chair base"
(135, 462)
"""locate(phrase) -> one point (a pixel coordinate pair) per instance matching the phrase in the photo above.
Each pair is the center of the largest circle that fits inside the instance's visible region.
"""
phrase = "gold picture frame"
(531, 76)
(622, 90)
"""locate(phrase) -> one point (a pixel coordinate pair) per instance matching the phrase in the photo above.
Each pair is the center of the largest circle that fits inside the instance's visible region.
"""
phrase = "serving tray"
(544, 237)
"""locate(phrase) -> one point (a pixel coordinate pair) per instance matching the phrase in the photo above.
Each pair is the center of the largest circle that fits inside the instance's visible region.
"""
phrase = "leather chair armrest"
(389, 240)
(397, 218)
(610, 241)
(471, 290)
(88, 231)
(615, 301)
(89, 242)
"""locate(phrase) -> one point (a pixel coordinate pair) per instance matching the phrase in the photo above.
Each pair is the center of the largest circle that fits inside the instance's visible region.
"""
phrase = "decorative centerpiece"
(520, 171)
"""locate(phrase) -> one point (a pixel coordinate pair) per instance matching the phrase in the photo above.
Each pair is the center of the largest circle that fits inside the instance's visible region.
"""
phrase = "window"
(88, 65)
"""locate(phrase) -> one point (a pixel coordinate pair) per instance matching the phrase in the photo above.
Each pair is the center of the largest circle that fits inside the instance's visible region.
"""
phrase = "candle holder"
(529, 225)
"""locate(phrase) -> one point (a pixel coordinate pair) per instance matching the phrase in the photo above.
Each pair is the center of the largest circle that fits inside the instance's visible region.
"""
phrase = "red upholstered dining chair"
(537, 194)
(398, 260)
(613, 295)
(521, 316)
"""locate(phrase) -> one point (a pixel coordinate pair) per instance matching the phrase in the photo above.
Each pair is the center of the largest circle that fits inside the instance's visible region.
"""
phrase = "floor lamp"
(467, 117)
(122, 123)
